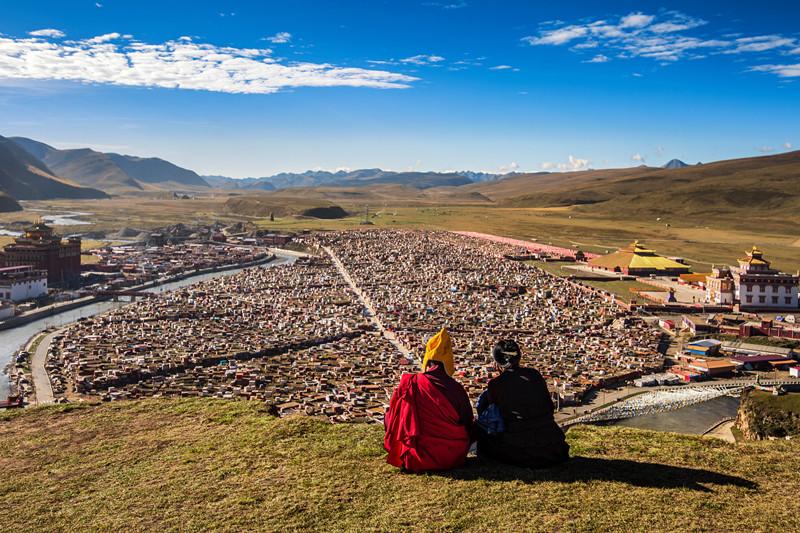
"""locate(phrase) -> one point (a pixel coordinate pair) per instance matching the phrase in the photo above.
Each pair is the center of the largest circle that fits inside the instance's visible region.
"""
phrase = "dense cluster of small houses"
(298, 338)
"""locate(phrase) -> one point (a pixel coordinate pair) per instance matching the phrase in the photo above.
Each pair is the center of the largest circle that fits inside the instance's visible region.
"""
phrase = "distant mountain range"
(113, 173)
(352, 178)
(125, 174)
(24, 177)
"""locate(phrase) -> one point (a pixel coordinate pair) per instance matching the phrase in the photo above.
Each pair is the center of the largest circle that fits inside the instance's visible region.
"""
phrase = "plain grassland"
(702, 242)
(200, 465)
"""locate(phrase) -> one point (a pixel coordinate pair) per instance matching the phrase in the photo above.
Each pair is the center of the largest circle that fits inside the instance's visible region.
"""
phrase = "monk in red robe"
(429, 421)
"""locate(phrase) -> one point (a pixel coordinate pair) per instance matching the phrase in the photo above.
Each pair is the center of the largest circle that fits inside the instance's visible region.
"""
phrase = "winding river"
(13, 339)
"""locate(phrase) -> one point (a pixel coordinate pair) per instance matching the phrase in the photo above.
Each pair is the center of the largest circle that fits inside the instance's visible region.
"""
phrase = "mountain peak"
(675, 163)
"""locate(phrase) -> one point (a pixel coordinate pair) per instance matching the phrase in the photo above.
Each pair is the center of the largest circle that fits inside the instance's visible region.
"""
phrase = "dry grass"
(203, 465)
(715, 240)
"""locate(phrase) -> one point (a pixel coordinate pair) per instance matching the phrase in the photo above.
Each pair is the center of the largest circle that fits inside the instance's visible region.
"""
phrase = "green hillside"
(203, 465)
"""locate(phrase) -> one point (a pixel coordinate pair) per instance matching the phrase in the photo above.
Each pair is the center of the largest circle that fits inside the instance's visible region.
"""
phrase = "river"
(694, 419)
(11, 340)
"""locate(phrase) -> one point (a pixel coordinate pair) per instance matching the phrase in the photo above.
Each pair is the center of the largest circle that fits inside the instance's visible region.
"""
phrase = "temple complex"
(758, 286)
(41, 249)
(636, 260)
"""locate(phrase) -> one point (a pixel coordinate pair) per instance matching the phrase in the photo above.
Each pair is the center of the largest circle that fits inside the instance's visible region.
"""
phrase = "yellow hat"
(440, 348)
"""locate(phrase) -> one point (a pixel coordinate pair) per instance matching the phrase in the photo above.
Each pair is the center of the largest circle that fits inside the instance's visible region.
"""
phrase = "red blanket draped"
(422, 429)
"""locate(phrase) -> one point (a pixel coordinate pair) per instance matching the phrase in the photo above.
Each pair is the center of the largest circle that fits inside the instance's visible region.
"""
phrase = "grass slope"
(24, 177)
(8, 204)
(216, 465)
(766, 187)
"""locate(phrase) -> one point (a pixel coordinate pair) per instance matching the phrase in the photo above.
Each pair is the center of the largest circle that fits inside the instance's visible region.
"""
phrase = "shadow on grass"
(634, 473)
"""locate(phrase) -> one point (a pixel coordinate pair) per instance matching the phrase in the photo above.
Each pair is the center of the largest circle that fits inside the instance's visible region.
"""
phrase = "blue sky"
(252, 88)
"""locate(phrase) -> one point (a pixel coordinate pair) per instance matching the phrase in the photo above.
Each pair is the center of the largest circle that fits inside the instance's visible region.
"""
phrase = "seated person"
(526, 433)
(430, 418)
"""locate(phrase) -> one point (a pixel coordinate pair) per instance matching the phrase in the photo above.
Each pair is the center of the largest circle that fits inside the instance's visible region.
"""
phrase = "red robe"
(423, 430)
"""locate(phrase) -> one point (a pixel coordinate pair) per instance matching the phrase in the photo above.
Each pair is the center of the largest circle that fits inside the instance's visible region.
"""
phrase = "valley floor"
(703, 241)
(220, 465)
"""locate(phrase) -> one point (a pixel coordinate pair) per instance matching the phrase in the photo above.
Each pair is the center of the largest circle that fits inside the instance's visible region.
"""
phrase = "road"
(365, 301)
(41, 381)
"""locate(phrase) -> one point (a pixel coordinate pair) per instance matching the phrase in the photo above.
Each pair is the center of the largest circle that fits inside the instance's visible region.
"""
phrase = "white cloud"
(98, 5)
(511, 167)
(766, 149)
(572, 164)
(180, 64)
(761, 43)
(599, 58)
(784, 71)
(446, 5)
(503, 67)
(558, 37)
(660, 37)
(47, 32)
(423, 59)
(636, 20)
(103, 38)
(638, 158)
(280, 37)
(787, 145)
(794, 52)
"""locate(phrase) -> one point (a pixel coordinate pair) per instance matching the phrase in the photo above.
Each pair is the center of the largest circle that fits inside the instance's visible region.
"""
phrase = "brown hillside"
(762, 187)
(8, 204)
(24, 177)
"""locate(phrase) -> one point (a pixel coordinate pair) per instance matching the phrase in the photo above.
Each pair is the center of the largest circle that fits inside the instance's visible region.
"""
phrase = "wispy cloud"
(573, 163)
(47, 32)
(766, 149)
(507, 169)
(784, 71)
(760, 43)
(599, 58)
(787, 145)
(423, 59)
(504, 67)
(181, 64)
(446, 5)
(636, 20)
(662, 37)
(280, 37)
(638, 158)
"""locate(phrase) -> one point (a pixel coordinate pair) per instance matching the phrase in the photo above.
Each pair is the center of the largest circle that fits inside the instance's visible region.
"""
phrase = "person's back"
(530, 436)
(429, 418)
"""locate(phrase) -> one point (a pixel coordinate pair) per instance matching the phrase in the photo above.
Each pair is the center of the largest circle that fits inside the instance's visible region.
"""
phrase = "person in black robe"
(527, 435)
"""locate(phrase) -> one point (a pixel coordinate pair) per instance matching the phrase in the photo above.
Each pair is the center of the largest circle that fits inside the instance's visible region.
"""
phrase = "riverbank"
(61, 307)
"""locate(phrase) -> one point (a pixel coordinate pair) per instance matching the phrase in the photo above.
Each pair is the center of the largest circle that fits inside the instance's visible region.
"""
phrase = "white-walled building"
(19, 283)
(720, 287)
(6, 309)
(757, 286)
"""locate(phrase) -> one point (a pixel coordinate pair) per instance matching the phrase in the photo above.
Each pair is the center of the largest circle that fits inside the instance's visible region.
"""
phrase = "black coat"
(531, 437)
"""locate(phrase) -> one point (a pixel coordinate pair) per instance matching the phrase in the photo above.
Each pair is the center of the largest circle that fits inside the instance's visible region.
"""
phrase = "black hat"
(507, 353)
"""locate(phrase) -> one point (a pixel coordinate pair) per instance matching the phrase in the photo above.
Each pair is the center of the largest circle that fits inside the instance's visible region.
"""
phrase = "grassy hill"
(767, 188)
(217, 465)
(8, 204)
(24, 177)
(83, 165)
(113, 173)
